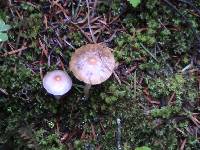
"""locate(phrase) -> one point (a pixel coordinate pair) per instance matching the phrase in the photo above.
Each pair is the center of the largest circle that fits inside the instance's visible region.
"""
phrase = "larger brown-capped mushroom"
(92, 64)
(57, 83)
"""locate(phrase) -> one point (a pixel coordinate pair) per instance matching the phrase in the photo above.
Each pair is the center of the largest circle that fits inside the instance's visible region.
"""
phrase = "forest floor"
(152, 101)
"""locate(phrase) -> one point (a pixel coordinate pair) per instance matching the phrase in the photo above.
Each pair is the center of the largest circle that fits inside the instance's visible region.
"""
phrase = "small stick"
(45, 21)
(15, 51)
(43, 47)
(171, 98)
(186, 68)
(3, 91)
(88, 38)
(116, 76)
(93, 132)
(183, 144)
(64, 39)
(118, 134)
(89, 26)
(148, 52)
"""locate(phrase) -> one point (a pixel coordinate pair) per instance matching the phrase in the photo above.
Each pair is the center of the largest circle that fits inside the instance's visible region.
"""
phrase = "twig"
(135, 84)
(45, 21)
(187, 68)
(15, 51)
(116, 76)
(77, 10)
(171, 98)
(43, 47)
(94, 6)
(148, 52)
(118, 134)
(102, 127)
(89, 26)
(64, 39)
(82, 135)
(196, 121)
(64, 137)
(148, 97)
(55, 2)
(93, 132)
(179, 130)
(3, 91)
(111, 37)
(89, 39)
(131, 69)
(183, 144)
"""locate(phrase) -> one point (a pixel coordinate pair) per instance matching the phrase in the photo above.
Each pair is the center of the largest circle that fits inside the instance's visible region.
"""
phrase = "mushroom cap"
(57, 82)
(92, 63)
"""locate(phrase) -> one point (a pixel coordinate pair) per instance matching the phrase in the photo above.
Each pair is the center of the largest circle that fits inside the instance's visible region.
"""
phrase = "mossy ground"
(156, 99)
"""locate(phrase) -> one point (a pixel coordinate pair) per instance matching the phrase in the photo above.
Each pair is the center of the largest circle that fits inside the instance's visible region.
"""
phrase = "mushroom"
(92, 64)
(57, 83)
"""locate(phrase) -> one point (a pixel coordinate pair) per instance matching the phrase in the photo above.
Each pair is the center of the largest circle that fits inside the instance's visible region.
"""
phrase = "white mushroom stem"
(87, 90)
(57, 97)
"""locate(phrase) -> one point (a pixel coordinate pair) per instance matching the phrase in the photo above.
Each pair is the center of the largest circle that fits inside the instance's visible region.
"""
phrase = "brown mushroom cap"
(92, 63)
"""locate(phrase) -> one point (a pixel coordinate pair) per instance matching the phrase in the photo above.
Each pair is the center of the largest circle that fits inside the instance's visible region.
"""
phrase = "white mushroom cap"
(92, 63)
(57, 82)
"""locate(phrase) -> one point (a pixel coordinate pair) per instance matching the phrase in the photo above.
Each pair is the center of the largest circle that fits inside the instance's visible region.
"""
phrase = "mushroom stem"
(87, 90)
(57, 97)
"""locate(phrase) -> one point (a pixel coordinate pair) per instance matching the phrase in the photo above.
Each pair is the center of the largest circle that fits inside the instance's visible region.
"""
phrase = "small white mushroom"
(57, 83)
(92, 64)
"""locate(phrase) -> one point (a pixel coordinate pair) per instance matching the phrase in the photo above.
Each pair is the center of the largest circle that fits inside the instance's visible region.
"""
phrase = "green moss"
(167, 40)
(27, 7)
(3, 14)
(165, 112)
(112, 94)
(48, 142)
(164, 87)
(17, 75)
(77, 38)
(34, 25)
